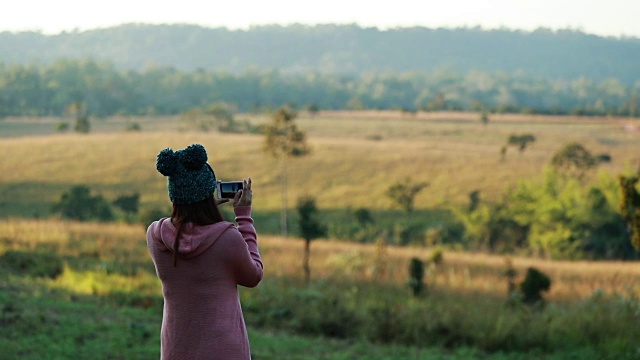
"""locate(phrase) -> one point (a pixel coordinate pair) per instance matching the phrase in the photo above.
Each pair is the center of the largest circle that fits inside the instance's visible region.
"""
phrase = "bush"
(36, 264)
(128, 203)
(62, 126)
(533, 285)
(79, 204)
(416, 276)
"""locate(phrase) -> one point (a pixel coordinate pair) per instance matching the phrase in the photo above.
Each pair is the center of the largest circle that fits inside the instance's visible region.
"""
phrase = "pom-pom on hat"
(190, 178)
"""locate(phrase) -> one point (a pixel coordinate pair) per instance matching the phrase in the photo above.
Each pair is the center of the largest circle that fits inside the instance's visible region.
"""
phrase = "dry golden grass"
(356, 156)
(460, 272)
(463, 272)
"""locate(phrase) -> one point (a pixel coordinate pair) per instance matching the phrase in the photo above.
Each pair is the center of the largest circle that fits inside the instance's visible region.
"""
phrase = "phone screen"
(229, 189)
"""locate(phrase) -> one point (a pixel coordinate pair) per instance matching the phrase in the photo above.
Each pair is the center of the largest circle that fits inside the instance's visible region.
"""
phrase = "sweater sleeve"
(249, 270)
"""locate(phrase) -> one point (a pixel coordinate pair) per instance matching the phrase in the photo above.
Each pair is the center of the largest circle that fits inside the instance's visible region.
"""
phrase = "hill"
(337, 49)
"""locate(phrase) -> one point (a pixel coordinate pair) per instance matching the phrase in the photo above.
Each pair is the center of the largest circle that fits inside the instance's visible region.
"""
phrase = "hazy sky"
(602, 17)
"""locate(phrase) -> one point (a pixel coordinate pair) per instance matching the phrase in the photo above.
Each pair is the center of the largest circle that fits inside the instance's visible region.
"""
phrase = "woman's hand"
(220, 201)
(243, 197)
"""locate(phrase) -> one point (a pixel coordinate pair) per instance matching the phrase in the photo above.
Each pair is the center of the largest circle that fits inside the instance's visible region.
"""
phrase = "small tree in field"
(484, 118)
(310, 228)
(521, 141)
(283, 140)
(533, 285)
(574, 159)
(404, 193)
(630, 207)
(128, 203)
(79, 204)
(80, 117)
(416, 276)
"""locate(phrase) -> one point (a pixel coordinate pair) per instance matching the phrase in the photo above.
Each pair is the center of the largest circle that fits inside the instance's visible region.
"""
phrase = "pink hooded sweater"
(202, 317)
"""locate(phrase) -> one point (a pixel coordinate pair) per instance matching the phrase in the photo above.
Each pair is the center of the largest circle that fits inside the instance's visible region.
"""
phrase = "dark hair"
(204, 212)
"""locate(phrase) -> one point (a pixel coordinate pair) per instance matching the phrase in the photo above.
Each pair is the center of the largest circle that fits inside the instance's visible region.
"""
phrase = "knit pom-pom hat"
(190, 178)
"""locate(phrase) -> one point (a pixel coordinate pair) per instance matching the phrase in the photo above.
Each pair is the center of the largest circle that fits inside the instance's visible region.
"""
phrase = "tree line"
(104, 90)
(337, 49)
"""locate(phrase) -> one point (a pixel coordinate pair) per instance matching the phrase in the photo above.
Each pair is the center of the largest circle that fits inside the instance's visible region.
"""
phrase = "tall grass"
(346, 169)
(592, 306)
(359, 291)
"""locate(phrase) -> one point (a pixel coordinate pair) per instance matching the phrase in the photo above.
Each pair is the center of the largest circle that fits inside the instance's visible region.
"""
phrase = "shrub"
(79, 204)
(416, 276)
(533, 285)
(128, 203)
(36, 264)
(62, 126)
(363, 216)
(133, 127)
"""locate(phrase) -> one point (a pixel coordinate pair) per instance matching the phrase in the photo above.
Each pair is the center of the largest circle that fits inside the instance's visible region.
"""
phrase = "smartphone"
(228, 189)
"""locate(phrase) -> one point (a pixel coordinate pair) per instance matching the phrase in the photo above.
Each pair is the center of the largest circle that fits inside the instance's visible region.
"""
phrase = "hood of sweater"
(194, 239)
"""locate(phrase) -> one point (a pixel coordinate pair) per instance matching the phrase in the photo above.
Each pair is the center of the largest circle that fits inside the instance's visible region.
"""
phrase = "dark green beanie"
(190, 178)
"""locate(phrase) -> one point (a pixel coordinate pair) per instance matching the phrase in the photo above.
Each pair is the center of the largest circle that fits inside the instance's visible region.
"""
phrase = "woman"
(200, 259)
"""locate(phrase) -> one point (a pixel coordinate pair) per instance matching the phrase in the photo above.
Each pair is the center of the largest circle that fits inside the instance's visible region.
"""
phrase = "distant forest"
(169, 69)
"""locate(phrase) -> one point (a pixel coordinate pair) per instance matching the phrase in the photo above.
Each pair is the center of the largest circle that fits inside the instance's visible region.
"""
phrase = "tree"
(630, 207)
(363, 216)
(521, 141)
(283, 140)
(128, 203)
(574, 159)
(405, 193)
(62, 126)
(79, 204)
(310, 228)
(416, 276)
(78, 112)
(313, 109)
(533, 285)
(484, 118)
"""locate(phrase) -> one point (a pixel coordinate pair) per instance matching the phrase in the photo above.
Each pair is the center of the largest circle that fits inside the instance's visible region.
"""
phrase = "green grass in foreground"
(41, 323)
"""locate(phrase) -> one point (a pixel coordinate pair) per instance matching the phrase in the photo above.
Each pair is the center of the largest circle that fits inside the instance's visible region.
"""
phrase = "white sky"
(602, 17)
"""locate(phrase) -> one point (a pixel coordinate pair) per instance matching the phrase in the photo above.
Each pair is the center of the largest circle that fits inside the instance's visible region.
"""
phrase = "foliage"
(492, 228)
(79, 204)
(104, 90)
(310, 228)
(37, 264)
(567, 219)
(62, 126)
(534, 283)
(81, 118)
(128, 203)
(416, 276)
(474, 200)
(405, 192)
(437, 256)
(109, 306)
(133, 127)
(521, 141)
(217, 116)
(558, 218)
(573, 159)
(630, 206)
(82, 124)
(363, 216)
(484, 118)
(310, 225)
(283, 140)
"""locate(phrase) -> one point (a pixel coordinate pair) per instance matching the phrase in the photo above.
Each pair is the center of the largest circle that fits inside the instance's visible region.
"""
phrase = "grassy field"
(74, 290)
(354, 160)
(103, 297)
